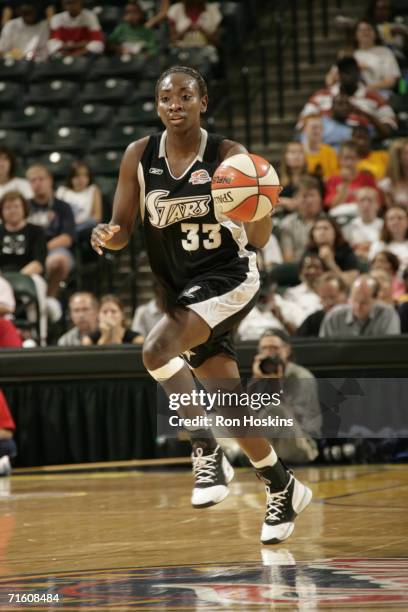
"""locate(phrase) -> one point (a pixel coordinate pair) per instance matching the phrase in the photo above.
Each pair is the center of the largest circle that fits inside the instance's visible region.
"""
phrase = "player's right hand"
(101, 234)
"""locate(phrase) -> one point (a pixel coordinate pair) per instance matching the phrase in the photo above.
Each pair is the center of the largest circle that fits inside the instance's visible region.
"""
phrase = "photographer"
(272, 365)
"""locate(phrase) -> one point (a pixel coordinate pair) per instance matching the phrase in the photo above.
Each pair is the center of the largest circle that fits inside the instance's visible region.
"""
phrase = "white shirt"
(270, 254)
(81, 202)
(209, 20)
(17, 184)
(399, 193)
(31, 40)
(305, 298)
(146, 316)
(357, 231)
(258, 321)
(377, 64)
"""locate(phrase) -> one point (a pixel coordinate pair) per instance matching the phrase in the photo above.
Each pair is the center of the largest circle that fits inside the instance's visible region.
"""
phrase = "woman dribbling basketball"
(208, 276)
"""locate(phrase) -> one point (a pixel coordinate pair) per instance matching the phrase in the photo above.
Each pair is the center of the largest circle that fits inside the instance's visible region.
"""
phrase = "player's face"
(13, 211)
(179, 104)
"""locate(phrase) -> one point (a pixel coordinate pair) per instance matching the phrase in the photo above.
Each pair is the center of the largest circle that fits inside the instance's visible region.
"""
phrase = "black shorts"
(222, 303)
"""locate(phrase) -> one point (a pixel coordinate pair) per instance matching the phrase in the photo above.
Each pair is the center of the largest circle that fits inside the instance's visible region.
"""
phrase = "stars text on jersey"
(165, 211)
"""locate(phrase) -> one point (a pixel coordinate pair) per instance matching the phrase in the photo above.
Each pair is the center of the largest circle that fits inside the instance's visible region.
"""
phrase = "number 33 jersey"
(185, 239)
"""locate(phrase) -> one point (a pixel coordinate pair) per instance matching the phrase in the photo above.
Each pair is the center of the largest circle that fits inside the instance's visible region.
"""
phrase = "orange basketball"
(245, 187)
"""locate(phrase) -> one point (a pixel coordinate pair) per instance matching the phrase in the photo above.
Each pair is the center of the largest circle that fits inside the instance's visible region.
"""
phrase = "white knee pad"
(167, 371)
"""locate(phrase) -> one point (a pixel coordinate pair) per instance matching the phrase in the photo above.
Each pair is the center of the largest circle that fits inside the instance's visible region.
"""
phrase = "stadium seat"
(196, 57)
(143, 113)
(29, 118)
(15, 140)
(108, 91)
(26, 297)
(116, 137)
(86, 115)
(71, 139)
(58, 162)
(108, 15)
(118, 67)
(10, 94)
(67, 68)
(13, 70)
(52, 93)
(106, 163)
(107, 185)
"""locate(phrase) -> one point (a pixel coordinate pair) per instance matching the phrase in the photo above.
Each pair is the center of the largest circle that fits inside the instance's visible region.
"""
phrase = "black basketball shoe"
(212, 473)
(283, 502)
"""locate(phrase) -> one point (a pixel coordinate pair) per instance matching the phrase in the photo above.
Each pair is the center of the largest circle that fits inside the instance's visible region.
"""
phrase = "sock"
(203, 438)
(269, 460)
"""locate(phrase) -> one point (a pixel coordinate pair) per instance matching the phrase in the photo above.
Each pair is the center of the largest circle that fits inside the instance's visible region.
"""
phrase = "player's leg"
(286, 496)
(172, 336)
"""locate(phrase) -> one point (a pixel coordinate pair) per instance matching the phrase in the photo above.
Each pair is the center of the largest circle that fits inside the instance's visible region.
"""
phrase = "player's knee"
(155, 354)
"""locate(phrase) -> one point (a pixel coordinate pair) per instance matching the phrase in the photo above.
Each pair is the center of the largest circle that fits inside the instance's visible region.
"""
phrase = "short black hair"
(347, 64)
(279, 333)
(201, 84)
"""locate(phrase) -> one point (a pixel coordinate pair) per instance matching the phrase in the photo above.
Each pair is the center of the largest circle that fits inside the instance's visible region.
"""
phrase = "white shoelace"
(204, 466)
(275, 504)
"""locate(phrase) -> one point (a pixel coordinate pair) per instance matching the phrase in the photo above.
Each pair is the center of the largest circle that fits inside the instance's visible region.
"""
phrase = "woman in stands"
(394, 235)
(112, 327)
(327, 240)
(8, 179)
(387, 262)
(23, 249)
(83, 196)
(395, 183)
(292, 168)
(209, 282)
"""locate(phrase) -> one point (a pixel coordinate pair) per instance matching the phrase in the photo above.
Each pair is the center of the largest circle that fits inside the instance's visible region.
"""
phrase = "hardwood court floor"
(129, 540)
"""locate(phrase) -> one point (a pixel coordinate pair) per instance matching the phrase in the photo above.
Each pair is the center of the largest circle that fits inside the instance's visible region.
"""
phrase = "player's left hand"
(101, 234)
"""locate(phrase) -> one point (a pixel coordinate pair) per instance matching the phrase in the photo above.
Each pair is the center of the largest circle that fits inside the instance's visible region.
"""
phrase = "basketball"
(245, 187)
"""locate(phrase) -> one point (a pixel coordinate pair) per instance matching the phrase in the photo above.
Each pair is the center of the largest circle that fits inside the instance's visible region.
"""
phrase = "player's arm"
(257, 232)
(115, 234)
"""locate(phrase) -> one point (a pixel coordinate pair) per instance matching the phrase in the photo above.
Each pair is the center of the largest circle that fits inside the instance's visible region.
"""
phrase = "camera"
(270, 365)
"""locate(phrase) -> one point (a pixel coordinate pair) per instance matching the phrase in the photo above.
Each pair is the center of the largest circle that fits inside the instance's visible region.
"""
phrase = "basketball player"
(209, 278)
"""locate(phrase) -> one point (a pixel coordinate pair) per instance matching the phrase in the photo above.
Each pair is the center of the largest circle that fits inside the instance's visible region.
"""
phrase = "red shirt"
(9, 336)
(363, 179)
(6, 420)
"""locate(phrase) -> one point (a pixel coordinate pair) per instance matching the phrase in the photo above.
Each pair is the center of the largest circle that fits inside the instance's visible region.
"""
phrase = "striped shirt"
(76, 32)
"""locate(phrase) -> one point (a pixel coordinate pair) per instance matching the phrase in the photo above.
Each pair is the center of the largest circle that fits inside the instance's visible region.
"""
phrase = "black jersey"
(184, 238)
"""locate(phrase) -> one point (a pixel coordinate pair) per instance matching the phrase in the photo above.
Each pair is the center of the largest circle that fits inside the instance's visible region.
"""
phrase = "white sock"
(269, 460)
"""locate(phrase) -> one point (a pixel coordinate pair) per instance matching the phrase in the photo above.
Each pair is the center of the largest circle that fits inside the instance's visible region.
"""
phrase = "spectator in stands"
(395, 183)
(83, 196)
(374, 162)
(299, 398)
(335, 124)
(385, 286)
(393, 33)
(7, 301)
(23, 249)
(363, 316)
(56, 218)
(8, 179)
(321, 158)
(271, 310)
(332, 291)
(112, 325)
(366, 227)
(76, 31)
(365, 106)
(195, 23)
(25, 37)
(327, 241)
(294, 229)
(160, 14)
(342, 187)
(269, 255)
(147, 315)
(9, 334)
(389, 263)
(378, 67)
(131, 36)
(311, 267)
(394, 235)
(292, 168)
(8, 448)
(83, 312)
